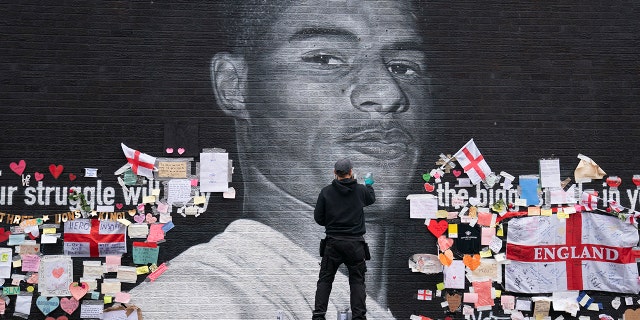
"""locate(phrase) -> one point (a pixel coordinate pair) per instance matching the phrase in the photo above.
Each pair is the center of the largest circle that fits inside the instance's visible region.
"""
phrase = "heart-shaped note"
(426, 177)
(615, 303)
(631, 314)
(72, 177)
(438, 227)
(69, 305)
(444, 243)
(474, 201)
(429, 187)
(151, 218)
(132, 212)
(446, 258)
(39, 176)
(56, 170)
(119, 206)
(437, 175)
(181, 150)
(169, 150)
(471, 261)
(19, 167)
(57, 272)
(78, 290)
(4, 235)
(58, 318)
(139, 218)
(47, 305)
(457, 173)
(454, 300)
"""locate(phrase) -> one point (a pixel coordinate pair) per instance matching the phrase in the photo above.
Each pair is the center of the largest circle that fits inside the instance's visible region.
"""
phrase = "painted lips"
(383, 144)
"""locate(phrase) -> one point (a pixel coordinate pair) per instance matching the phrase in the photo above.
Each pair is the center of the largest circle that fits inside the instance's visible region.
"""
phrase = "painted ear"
(229, 80)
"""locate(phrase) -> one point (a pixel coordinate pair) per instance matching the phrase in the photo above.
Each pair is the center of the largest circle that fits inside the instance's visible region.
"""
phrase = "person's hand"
(368, 179)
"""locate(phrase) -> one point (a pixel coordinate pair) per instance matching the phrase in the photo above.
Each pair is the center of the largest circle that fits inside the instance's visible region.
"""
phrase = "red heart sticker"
(457, 173)
(429, 187)
(39, 176)
(438, 227)
(56, 171)
(72, 176)
(19, 167)
(119, 206)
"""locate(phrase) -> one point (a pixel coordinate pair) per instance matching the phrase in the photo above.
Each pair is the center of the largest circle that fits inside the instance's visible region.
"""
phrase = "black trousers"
(352, 254)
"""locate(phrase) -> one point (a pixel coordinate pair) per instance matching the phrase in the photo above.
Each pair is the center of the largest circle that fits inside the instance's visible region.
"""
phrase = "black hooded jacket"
(340, 207)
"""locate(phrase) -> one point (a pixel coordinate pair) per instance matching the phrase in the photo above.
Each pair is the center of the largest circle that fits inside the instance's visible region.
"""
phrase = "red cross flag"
(589, 200)
(94, 238)
(587, 251)
(473, 162)
(425, 294)
(141, 163)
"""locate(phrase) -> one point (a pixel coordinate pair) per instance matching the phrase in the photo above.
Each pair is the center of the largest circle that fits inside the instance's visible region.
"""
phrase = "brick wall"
(525, 79)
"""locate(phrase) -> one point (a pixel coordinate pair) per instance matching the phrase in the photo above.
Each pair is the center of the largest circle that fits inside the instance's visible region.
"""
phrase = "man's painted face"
(338, 79)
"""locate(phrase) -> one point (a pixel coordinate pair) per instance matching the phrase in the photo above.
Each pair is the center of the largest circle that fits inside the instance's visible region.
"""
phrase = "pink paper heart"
(119, 206)
(69, 305)
(139, 218)
(444, 243)
(457, 173)
(151, 218)
(78, 290)
(19, 167)
(169, 150)
(56, 170)
(181, 150)
(39, 176)
(437, 175)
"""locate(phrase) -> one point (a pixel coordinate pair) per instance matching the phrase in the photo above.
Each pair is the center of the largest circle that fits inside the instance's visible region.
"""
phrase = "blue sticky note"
(145, 253)
(529, 190)
(167, 226)
(15, 239)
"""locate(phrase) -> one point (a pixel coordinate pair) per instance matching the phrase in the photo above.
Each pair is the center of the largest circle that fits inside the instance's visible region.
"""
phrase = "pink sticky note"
(483, 289)
(484, 218)
(470, 297)
(155, 232)
(163, 207)
(487, 235)
(30, 262)
(112, 263)
(122, 297)
(194, 182)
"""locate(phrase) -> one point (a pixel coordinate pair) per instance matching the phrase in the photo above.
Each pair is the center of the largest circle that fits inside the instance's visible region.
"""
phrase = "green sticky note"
(440, 286)
(8, 291)
(108, 299)
(129, 178)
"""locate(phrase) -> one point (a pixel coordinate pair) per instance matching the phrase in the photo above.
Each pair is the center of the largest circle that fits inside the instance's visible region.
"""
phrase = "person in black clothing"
(340, 210)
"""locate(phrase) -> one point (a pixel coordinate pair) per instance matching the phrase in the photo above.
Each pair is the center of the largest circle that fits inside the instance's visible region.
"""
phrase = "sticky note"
(453, 230)
(546, 212)
(108, 299)
(440, 286)
(149, 199)
(533, 211)
(142, 270)
(199, 200)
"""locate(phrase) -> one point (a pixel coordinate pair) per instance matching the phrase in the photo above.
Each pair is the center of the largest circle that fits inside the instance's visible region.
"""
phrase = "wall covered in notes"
(168, 156)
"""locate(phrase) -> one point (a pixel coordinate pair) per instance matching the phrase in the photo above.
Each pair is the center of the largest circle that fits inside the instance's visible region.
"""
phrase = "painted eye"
(323, 60)
(404, 69)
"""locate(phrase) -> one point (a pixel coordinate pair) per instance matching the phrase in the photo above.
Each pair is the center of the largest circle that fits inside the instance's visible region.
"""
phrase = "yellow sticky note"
(48, 230)
(17, 263)
(149, 199)
(199, 200)
(534, 211)
(4, 257)
(442, 214)
(569, 210)
(108, 299)
(453, 230)
(546, 212)
(500, 231)
(498, 293)
(155, 192)
(485, 253)
(142, 270)
(440, 286)
(562, 215)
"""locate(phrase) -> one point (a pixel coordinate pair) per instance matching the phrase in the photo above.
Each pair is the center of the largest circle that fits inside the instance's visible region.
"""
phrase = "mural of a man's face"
(332, 80)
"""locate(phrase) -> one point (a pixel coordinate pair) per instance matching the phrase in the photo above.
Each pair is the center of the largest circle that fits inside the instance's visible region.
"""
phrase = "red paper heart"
(429, 187)
(56, 171)
(4, 235)
(72, 176)
(39, 176)
(57, 272)
(19, 167)
(438, 227)
(69, 305)
(457, 173)
(119, 206)
(613, 181)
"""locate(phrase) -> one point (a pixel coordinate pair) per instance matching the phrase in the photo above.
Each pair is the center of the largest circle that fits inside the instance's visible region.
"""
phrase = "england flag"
(587, 251)
(473, 162)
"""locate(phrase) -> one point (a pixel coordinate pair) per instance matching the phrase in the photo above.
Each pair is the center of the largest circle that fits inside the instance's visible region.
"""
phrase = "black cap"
(343, 165)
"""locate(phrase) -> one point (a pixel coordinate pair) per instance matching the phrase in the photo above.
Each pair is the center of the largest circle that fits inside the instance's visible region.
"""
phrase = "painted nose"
(376, 90)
